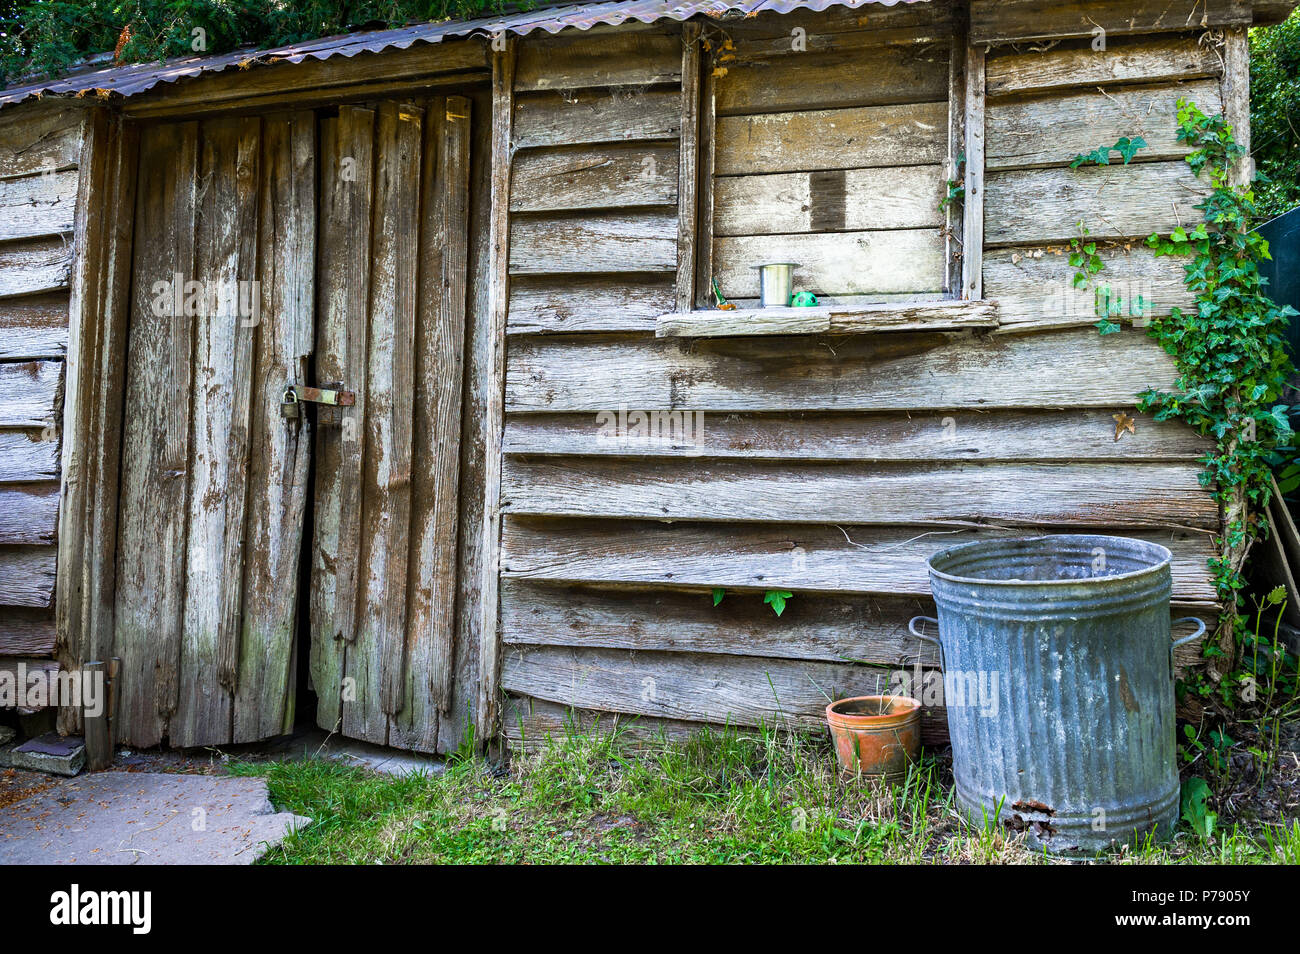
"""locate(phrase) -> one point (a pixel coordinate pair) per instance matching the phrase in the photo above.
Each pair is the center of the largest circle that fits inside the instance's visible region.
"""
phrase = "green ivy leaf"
(718, 594)
(776, 599)
(1195, 807)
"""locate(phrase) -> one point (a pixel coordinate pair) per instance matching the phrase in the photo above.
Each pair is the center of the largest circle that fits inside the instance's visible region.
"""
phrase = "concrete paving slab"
(124, 818)
(53, 753)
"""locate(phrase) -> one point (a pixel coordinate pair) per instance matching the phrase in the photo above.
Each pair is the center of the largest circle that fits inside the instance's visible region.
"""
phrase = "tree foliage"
(1275, 114)
(49, 36)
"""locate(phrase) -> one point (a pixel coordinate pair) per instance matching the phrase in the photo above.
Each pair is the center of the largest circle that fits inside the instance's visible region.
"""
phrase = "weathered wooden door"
(214, 479)
(391, 327)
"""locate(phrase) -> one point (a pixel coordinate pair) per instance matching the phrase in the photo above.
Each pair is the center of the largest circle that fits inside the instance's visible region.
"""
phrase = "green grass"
(734, 798)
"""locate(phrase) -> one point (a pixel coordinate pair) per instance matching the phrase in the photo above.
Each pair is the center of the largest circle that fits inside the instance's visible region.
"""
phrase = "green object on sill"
(804, 300)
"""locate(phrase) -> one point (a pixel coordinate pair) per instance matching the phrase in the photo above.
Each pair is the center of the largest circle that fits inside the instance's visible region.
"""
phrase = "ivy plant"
(1230, 355)
(1126, 147)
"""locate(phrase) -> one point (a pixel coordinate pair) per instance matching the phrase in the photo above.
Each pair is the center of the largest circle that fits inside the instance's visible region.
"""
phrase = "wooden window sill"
(829, 319)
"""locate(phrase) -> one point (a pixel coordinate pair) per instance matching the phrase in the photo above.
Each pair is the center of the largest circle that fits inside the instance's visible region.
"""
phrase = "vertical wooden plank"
(439, 388)
(503, 69)
(953, 217)
(688, 168)
(973, 208)
(707, 124)
(377, 663)
(155, 445)
(225, 258)
(106, 400)
(347, 192)
(279, 447)
(1235, 85)
(458, 723)
(99, 739)
(89, 255)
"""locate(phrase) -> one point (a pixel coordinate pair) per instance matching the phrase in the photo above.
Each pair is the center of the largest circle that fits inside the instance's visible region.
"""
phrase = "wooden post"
(502, 152)
(98, 729)
(688, 170)
(706, 124)
(954, 221)
(92, 407)
(1235, 87)
(972, 264)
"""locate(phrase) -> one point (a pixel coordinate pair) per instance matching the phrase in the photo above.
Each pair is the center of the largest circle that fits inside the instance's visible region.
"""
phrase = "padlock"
(289, 403)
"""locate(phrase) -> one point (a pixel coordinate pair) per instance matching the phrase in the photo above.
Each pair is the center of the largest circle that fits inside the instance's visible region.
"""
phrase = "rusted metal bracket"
(295, 395)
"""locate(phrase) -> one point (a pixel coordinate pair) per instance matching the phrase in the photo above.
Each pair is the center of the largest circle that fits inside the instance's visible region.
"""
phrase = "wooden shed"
(389, 366)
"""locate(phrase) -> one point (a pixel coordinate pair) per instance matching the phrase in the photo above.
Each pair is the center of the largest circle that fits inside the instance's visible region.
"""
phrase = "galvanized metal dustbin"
(1058, 678)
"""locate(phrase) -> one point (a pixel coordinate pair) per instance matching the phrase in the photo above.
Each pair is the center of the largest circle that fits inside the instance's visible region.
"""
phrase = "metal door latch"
(295, 395)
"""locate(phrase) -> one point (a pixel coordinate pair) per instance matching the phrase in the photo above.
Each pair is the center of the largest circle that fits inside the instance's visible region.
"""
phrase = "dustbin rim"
(1165, 555)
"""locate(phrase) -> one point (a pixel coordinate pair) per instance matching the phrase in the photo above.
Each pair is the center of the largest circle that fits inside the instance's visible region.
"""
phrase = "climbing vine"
(1231, 360)
(1230, 356)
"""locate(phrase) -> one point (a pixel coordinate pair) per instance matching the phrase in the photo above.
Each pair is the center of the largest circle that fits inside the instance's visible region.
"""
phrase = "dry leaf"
(1124, 423)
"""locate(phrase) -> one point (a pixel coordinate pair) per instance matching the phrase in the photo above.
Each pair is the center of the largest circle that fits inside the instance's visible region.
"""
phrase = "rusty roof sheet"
(137, 78)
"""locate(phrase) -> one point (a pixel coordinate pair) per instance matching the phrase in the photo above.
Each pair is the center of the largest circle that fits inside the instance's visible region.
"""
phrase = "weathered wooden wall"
(828, 466)
(830, 149)
(40, 153)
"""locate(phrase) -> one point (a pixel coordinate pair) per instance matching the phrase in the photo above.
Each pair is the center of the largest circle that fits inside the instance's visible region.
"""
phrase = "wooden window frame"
(959, 304)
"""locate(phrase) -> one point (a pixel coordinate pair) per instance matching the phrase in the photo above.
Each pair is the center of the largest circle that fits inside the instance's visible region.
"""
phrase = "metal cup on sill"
(775, 284)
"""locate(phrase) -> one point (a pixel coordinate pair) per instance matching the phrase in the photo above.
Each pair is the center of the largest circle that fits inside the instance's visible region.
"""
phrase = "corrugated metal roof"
(137, 78)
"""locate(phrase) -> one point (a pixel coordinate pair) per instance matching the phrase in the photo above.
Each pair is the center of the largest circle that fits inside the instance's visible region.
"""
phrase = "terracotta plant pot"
(876, 736)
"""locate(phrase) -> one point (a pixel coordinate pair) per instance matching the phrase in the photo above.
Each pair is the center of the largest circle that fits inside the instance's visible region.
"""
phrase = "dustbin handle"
(1200, 631)
(911, 628)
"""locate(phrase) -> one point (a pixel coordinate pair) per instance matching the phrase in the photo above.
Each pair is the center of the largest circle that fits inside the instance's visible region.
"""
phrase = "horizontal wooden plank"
(26, 632)
(40, 137)
(532, 725)
(703, 687)
(942, 315)
(811, 140)
(821, 627)
(11, 666)
(1034, 287)
(26, 456)
(34, 327)
(843, 263)
(34, 266)
(1114, 202)
(865, 22)
(1082, 122)
(829, 201)
(625, 58)
(598, 242)
(37, 205)
(29, 393)
(1070, 435)
(1039, 494)
(773, 320)
(868, 75)
(1000, 21)
(551, 305)
(29, 512)
(605, 176)
(1125, 60)
(617, 114)
(884, 561)
(279, 83)
(1075, 368)
(27, 575)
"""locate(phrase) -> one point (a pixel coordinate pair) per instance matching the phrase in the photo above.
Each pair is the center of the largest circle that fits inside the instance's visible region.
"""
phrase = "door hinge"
(295, 395)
